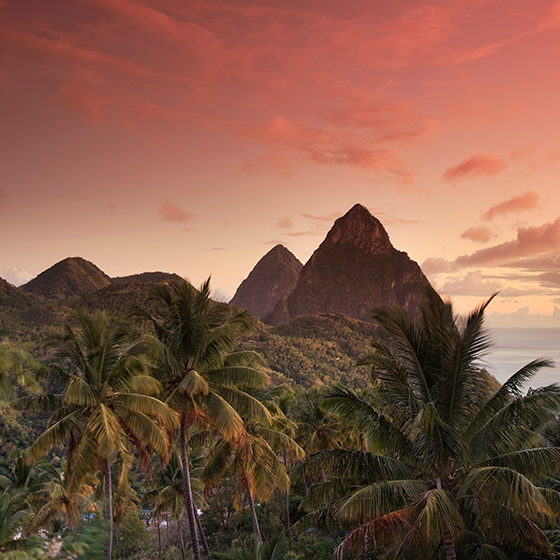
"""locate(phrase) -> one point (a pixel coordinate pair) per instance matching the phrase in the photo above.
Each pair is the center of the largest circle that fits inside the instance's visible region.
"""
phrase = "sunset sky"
(191, 137)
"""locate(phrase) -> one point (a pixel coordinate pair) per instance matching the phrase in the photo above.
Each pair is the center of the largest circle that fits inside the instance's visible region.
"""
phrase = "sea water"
(514, 347)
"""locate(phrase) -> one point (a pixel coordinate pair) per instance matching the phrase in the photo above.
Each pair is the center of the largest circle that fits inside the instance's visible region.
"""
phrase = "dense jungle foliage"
(175, 426)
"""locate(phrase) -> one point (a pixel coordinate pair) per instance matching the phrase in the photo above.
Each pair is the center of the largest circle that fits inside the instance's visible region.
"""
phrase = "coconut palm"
(64, 498)
(254, 459)
(166, 494)
(202, 376)
(108, 407)
(14, 516)
(449, 462)
(18, 473)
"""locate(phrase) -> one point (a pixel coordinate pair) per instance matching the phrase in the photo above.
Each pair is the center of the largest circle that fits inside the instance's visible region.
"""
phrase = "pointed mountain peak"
(273, 277)
(360, 228)
(355, 270)
(279, 253)
(71, 277)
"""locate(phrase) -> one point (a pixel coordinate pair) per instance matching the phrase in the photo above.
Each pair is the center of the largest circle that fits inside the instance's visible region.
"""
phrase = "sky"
(192, 137)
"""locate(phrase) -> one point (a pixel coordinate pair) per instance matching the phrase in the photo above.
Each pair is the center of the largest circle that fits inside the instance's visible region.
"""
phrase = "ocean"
(515, 347)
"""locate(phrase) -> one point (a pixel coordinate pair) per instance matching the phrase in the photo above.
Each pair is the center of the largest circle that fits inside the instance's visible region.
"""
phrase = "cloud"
(221, 295)
(437, 265)
(530, 241)
(323, 145)
(171, 213)
(473, 284)
(82, 56)
(285, 223)
(479, 164)
(480, 234)
(158, 22)
(394, 220)
(549, 278)
(17, 276)
(524, 318)
(241, 65)
(302, 233)
(542, 263)
(523, 202)
(326, 218)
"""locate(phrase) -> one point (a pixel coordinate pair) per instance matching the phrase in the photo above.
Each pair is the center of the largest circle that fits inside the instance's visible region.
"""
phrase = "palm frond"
(379, 499)
(237, 376)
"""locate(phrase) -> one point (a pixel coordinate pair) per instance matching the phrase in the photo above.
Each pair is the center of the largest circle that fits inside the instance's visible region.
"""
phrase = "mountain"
(70, 278)
(354, 270)
(22, 315)
(273, 278)
(119, 297)
(146, 277)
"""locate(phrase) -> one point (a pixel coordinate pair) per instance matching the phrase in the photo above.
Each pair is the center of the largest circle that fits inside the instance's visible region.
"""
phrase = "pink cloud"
(525, 201)
(473, 284)
(530, 241)
(156, 21)
(82, 56)
(480, 234)
(327, 218)
(479, 164)
(437, 265)
(220, 61)
(285, 223)
(172, 213)
(303, 233)
(321, 146)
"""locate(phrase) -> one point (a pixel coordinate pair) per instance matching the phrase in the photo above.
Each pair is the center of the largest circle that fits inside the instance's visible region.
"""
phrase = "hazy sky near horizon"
(192, 137)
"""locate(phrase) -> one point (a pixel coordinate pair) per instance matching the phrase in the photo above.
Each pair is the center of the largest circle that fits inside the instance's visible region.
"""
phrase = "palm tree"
(21, 474)
(449, 463)
(202, 376)
(253, 458)
(166, 493)
(108, 406)
(14, 516)
(65, 498)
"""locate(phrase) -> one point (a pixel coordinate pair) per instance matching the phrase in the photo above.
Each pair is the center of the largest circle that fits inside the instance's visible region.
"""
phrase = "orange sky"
(193, 136)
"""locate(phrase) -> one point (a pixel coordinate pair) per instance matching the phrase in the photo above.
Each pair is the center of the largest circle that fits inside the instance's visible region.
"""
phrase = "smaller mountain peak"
(273, 277)
(279, 252)
(360, 228)
(70, 277)
(278, 249)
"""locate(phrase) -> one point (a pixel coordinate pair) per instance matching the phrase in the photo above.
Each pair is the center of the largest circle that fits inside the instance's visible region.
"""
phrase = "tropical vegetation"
(163, 434)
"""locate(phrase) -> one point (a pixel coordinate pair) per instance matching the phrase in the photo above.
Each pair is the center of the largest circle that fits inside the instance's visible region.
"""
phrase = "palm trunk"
(449, 545)
(201, 534)
(109, 498)
(288, 527)
(118, 541)
(181, 539)
(167, 529)
(158, 534)
(188, 491)
(287, 506)
(256, 528)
